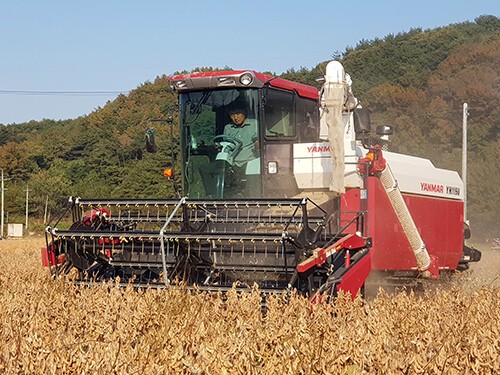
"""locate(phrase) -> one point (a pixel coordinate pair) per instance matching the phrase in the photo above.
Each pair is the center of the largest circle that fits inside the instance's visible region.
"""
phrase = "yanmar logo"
(436, 188)
(431, 188)
(318, 149)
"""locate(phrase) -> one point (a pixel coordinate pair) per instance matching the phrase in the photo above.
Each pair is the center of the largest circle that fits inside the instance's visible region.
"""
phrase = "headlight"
(246, 79)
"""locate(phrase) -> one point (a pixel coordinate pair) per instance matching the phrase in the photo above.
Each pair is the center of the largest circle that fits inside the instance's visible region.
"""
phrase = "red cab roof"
(303, 90)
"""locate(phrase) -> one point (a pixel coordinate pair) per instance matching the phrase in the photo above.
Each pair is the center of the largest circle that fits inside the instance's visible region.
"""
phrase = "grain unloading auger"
(285, 187)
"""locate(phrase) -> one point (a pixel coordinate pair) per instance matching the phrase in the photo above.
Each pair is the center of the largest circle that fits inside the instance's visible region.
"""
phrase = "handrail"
(162, 232)
(364, 204)
(339, 233)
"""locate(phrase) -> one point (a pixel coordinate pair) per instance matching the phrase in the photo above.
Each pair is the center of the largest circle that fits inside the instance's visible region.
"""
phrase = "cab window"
(307, 119)
(279, 114)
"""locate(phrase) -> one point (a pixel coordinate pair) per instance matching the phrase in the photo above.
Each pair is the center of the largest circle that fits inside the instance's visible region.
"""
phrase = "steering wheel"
(234, 142)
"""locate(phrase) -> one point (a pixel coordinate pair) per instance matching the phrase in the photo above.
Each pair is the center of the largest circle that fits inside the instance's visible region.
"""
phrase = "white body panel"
(312, 162)
(313, 169)
(419, 176)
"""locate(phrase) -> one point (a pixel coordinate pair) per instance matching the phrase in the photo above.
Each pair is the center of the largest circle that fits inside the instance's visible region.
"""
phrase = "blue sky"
(115, 45)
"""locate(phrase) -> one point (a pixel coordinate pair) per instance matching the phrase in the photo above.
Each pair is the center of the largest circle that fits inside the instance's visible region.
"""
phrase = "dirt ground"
(486, 272)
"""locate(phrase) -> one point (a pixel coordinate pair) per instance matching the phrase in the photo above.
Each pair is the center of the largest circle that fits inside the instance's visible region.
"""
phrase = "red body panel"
(49, 258)
(439, 222)
(302, 90)
(45, 257)
(353, 280)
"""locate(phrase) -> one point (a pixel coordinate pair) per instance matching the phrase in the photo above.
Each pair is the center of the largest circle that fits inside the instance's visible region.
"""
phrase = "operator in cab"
(238, 145)
(246, 131)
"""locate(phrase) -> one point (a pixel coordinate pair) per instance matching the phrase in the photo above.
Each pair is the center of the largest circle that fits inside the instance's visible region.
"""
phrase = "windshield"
(221, 154)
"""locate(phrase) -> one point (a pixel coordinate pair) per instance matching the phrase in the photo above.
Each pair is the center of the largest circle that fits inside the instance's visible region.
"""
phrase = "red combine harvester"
(283, 186)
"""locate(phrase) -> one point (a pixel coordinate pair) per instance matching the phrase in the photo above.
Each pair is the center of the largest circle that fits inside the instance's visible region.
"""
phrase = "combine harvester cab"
(281, 189)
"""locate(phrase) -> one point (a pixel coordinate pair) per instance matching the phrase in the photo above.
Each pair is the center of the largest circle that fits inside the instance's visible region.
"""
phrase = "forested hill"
(416, 81)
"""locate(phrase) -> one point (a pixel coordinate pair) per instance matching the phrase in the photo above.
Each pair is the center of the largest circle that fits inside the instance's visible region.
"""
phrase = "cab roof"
(230, 78)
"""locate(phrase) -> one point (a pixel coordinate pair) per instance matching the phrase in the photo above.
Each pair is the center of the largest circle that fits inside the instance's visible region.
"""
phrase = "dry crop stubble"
(51, 327)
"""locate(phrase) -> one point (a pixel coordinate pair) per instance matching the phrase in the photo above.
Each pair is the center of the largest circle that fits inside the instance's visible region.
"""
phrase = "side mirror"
(150, 140)
(384, 131)
(362, 124)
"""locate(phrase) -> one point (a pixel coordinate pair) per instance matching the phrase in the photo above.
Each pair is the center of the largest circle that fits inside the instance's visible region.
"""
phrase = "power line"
(61, 93)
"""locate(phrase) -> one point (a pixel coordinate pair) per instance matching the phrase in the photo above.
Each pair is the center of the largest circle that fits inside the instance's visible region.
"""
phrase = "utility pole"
(464, 156)
(27, 199)
(46, 206)
(1, 214)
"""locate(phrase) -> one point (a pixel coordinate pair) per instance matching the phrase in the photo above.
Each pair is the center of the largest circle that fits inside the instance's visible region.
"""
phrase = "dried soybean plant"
(54, 327)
